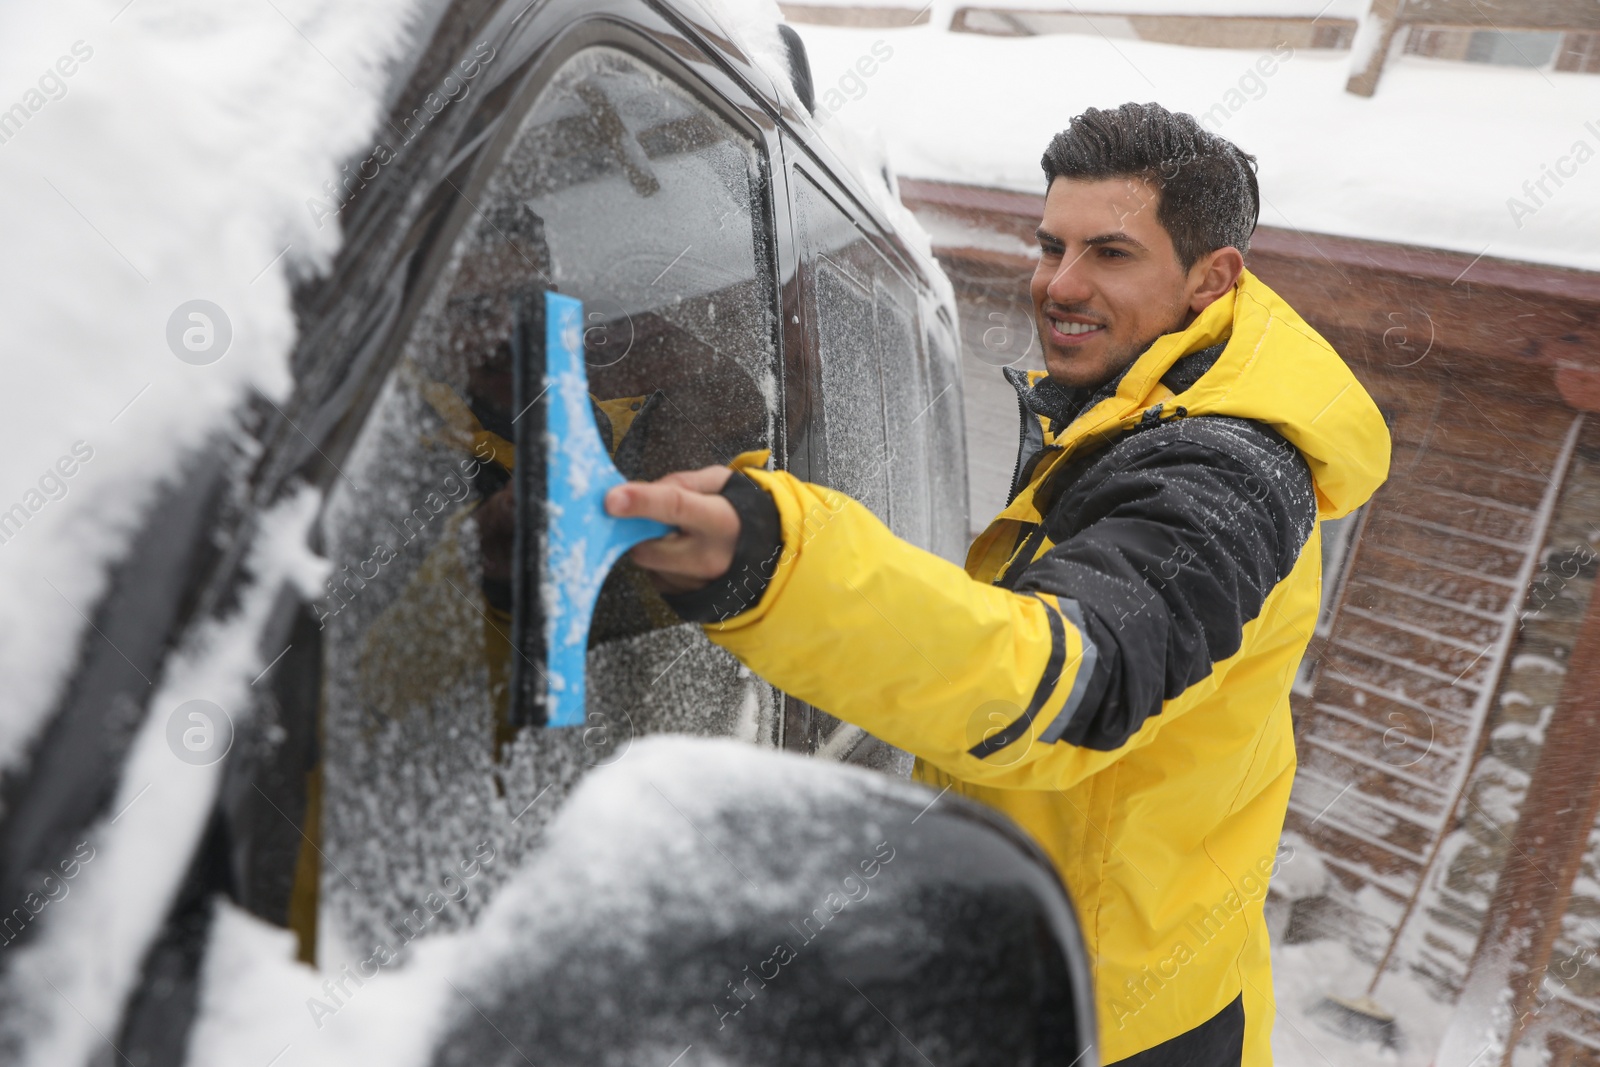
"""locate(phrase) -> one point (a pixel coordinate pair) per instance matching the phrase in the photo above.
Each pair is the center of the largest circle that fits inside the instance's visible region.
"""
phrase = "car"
(747, 286)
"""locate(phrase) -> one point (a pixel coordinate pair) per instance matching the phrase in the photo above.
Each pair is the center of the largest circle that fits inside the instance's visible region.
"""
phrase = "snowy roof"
(1446, 155)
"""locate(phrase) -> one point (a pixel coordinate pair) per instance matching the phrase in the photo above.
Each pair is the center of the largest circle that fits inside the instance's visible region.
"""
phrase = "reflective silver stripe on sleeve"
(1086, 664)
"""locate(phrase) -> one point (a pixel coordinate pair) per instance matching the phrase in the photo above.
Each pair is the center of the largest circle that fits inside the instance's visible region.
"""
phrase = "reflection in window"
(1514, 49)
(623, 190)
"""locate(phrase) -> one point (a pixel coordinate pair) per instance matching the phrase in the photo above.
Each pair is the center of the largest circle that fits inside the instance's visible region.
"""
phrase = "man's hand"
(707, 528)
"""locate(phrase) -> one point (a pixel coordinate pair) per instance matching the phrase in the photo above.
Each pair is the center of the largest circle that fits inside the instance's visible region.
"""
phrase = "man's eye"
(1051, 250)
(1114, 253)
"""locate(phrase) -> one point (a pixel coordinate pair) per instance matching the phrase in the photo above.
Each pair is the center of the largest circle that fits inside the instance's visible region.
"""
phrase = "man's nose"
(1068, 285)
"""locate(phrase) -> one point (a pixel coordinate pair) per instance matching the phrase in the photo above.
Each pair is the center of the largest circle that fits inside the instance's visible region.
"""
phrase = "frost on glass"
(874, 378)
(873, 405)
(945, 426)
(852, 399)
(840, 265)
(905, 402)
(622, 190)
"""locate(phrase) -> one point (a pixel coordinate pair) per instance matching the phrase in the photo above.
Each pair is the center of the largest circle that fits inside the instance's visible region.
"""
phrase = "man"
(1113, 668)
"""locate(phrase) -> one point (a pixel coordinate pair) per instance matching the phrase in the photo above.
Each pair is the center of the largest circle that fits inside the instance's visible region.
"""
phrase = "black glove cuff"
(755, 558)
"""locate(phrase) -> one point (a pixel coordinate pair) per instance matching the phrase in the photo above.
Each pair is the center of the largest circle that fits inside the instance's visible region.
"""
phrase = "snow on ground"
(1433, 159)
(1302, 975)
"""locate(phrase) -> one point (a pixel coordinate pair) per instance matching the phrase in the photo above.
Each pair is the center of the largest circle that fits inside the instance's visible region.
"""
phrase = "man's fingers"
(706, 527)
(652, 500)
(664, 502)
(690, 509)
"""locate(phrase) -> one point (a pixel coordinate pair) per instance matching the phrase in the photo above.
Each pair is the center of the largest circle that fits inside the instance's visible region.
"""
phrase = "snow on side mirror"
(705, 902)
(699, 902)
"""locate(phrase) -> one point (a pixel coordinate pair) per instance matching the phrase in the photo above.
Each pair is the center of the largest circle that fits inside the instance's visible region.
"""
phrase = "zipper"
(1025, 421)
(1022, 443)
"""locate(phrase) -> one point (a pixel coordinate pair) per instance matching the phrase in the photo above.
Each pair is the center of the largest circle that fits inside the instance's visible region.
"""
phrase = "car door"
(867, 384)
(633, 174)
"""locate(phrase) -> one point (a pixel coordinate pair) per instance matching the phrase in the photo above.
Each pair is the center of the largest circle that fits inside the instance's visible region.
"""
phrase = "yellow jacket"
(1152, 766)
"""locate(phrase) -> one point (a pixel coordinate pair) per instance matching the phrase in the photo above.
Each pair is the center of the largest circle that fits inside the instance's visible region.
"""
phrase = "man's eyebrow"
(1113, 238)
(1046, 237)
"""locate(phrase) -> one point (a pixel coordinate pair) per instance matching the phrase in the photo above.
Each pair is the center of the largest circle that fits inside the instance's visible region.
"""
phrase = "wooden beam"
(1549, 842)
(1376, 33)
(861, 16)
(1503, 15)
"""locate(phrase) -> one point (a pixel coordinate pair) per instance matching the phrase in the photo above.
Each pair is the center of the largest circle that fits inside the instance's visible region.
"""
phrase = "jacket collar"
(1059, 405)
(1266, 364)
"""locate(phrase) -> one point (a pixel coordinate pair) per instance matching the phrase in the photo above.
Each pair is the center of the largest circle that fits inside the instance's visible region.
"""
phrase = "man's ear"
(1213, 275)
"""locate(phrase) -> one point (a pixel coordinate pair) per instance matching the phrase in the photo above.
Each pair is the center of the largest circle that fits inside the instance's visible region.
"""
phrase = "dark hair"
(1209, 197)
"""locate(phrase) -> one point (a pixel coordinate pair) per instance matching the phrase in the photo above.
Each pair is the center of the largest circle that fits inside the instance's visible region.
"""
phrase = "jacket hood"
(1274, 369)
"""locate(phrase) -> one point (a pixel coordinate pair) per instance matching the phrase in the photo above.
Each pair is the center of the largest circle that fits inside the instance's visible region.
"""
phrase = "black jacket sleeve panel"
(1170, 541)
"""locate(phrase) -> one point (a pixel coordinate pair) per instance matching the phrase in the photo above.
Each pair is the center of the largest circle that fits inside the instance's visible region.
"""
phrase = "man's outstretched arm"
(1156, 568)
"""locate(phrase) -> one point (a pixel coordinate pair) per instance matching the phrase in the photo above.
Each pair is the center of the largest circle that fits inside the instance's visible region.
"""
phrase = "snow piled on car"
(667, 834)
(156, 158)
(63, 991)
(173, 165)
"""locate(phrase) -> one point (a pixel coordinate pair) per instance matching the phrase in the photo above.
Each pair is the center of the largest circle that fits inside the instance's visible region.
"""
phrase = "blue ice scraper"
(581, 542)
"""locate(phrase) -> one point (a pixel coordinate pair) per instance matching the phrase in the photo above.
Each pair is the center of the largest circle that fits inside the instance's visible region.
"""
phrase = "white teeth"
(1075, 327)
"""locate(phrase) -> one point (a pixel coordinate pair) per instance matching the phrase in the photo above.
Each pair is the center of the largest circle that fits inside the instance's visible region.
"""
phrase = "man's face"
(1108, 281)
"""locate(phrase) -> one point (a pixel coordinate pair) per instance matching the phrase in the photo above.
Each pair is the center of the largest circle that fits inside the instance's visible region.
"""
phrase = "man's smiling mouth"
(1063, 332)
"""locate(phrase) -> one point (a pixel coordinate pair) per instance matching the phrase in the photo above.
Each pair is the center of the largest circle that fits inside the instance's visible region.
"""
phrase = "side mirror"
(799, 67)
(701, 902)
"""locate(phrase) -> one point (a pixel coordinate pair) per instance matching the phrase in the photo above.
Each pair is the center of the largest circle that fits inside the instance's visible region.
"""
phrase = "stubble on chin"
(1130, 354)
(1076, 372)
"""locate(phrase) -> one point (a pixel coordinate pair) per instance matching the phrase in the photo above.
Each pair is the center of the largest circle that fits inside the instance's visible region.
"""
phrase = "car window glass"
(874, 379)
(622, 189)
(838, 261)
(873, 409)
(905, 405)
(945, 426)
